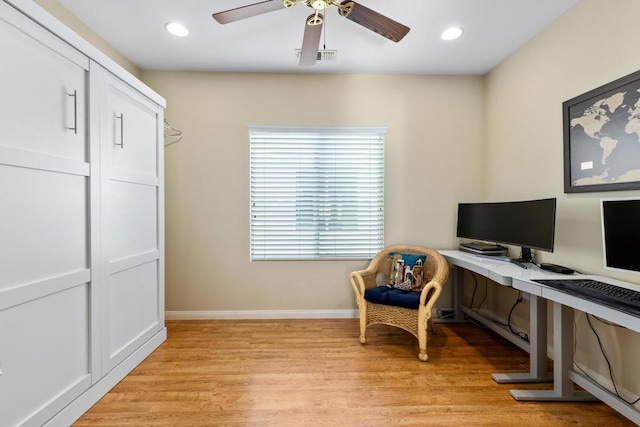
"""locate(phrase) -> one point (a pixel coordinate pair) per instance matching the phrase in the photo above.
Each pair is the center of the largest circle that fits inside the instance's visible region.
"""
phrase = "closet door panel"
(133, 309)
(132, 219)
(44, 355)
(43, 224)
(132, 127)
(45, 110)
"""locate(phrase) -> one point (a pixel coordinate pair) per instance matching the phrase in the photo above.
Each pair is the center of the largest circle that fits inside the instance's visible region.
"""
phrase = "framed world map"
(602, 138)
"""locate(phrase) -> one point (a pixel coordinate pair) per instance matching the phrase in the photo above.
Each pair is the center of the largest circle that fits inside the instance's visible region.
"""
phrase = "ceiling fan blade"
(311, 40)
(373, 20)
(248, 11)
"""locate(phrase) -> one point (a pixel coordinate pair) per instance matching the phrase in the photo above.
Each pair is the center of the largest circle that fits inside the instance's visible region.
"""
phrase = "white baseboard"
(261, 314)
(268, 314)
(604, 382)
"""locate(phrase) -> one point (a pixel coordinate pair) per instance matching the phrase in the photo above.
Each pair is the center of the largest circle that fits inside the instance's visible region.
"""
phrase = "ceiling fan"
(351, 10)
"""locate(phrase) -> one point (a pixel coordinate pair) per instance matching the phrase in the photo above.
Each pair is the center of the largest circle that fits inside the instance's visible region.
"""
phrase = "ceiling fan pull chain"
(324, 37)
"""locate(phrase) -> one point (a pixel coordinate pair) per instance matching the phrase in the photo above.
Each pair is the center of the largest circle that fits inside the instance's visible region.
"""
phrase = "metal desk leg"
(458, 294)
(537, 348)
(563, 389)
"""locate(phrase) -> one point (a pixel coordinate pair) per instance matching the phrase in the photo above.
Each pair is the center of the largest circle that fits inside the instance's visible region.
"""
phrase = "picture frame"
(601, 138)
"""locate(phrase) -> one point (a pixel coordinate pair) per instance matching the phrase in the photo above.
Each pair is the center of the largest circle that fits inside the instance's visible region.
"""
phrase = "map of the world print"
(604, 138)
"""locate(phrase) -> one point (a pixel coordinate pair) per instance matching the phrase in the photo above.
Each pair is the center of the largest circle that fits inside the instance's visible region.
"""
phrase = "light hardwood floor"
(316, 373)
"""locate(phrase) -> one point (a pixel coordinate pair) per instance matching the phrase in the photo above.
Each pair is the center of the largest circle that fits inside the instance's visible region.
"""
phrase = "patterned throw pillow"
(407, 271)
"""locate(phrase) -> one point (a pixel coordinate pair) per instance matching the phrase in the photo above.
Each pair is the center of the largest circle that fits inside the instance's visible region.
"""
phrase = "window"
(316, 193)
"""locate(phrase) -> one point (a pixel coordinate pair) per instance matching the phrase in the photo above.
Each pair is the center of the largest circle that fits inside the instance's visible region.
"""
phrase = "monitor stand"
(525, 254)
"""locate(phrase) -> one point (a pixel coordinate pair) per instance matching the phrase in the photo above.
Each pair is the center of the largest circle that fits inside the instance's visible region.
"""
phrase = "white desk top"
(509, 274)
(607, 313)
(501, 272)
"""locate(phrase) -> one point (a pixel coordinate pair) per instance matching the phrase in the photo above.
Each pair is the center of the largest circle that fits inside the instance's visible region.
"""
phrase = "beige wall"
(593, 44)
(62, 14)
(432, 152)
(524, 118)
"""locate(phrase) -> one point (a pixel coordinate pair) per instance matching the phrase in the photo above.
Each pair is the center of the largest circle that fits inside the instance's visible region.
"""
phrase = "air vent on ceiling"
(323, 55)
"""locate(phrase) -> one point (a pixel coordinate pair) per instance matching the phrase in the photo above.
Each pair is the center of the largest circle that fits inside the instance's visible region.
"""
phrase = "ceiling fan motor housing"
(318, 4)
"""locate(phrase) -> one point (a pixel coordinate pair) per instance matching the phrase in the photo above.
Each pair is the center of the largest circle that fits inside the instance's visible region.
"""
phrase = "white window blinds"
(316, 193)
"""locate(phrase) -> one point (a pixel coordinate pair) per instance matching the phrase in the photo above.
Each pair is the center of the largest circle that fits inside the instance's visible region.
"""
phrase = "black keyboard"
(622, 299)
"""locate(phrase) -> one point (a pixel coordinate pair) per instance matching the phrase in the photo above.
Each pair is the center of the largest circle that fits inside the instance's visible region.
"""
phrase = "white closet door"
(45, 87)
(81, 240)
(133, 303)
(45, 268)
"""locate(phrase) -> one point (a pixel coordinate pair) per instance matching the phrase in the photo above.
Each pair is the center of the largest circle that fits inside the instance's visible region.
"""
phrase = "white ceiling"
(493, 29)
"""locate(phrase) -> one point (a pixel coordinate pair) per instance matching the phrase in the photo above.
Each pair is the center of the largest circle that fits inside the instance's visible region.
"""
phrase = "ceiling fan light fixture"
(177, 29)
(451, 33)
(319, 4)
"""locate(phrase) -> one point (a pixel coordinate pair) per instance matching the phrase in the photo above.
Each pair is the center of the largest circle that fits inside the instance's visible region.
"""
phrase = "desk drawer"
(532, 288)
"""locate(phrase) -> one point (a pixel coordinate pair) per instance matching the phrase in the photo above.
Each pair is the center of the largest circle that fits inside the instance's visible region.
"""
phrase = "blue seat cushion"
(396, 297)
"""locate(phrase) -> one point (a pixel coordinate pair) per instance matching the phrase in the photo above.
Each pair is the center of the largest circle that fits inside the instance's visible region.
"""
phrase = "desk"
(504, 273)
(563, 374)
(564, 377)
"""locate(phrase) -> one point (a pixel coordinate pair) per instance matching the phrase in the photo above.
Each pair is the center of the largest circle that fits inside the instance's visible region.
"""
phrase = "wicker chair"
(411, 320)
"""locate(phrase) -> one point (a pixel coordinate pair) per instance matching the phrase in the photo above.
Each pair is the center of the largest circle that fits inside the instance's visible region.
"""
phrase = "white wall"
(432, 161)
(591, 45)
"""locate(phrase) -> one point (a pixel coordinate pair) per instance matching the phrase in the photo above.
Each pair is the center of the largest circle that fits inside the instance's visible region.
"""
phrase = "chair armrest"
(363, 279)
(437, 281)
(430, 294)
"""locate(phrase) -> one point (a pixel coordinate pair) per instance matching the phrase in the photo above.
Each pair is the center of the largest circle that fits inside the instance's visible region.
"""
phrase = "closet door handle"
(121, 118)
(75, 111)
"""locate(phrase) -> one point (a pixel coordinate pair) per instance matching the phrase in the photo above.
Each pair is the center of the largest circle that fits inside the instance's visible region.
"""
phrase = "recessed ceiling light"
(451, 33)
(176, 29)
